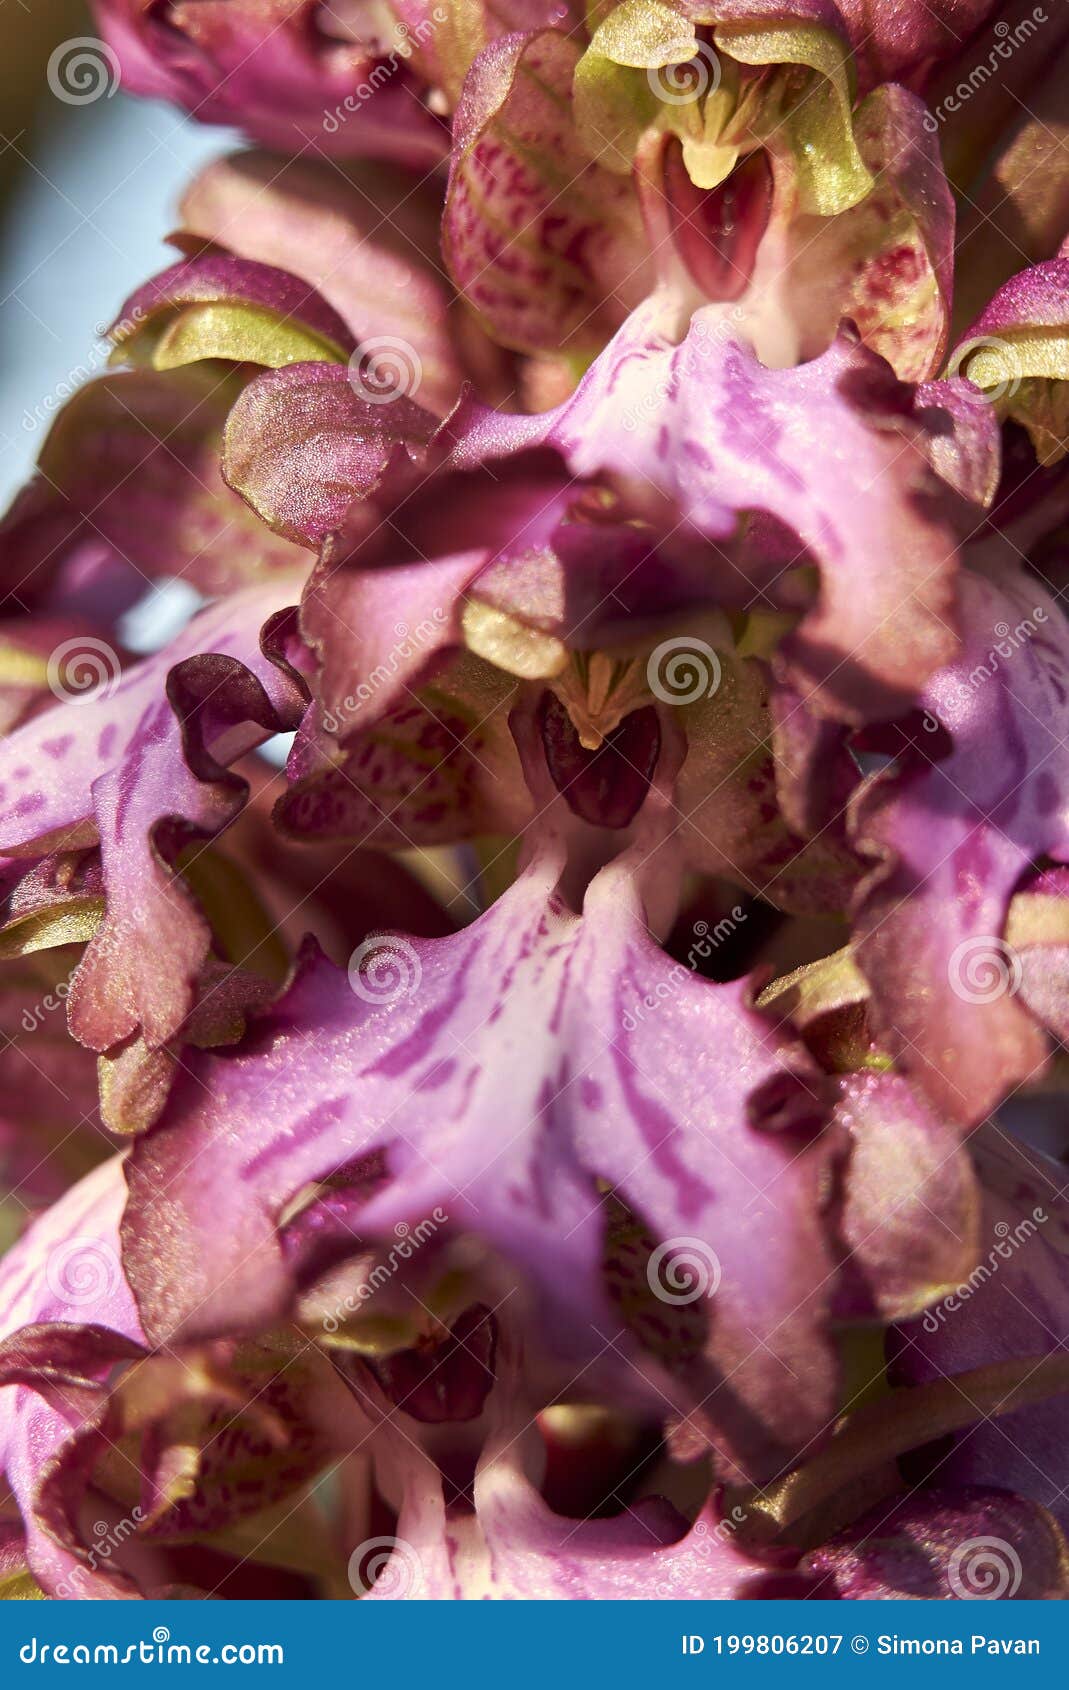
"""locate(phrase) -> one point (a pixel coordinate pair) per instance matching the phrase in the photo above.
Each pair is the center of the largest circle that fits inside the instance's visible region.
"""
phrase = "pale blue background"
(86, 225)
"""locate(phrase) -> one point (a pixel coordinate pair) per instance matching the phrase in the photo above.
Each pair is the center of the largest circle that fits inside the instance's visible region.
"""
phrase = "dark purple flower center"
(607, 786)
(447, 1378)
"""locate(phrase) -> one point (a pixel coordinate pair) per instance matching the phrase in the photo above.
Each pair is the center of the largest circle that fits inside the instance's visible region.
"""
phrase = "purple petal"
(274, 69)
(515, 1548)
(66, 1318)
(703, 425)
(982, 793)
(647, 1098)
(114, 763)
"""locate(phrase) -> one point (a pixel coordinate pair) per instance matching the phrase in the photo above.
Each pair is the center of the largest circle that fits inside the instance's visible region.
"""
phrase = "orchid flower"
(278, 69)
(531, 1010)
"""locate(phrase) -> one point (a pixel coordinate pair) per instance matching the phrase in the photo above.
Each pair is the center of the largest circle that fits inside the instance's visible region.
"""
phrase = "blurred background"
(89, 181)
